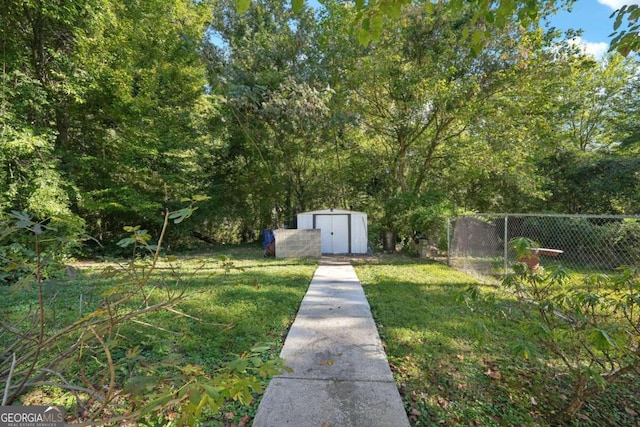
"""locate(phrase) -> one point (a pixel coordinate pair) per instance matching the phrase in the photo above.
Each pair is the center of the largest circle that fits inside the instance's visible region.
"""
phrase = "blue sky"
(592, 16)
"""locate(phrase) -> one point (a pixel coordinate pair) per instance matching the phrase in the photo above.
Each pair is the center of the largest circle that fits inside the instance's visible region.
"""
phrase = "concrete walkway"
(341, 377)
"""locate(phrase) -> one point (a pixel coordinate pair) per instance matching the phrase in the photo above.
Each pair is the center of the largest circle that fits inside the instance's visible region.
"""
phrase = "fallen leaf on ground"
(496, 375)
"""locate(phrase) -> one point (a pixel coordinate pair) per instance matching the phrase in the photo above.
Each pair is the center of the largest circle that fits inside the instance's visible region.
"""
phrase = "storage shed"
(342, 232)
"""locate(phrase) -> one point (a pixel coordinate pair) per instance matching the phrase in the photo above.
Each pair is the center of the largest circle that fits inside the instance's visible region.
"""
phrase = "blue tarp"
(268, 238)
(269, 243)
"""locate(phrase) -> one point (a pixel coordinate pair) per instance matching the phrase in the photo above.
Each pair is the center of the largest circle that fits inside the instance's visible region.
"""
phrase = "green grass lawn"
(234, 299)
(447, 376)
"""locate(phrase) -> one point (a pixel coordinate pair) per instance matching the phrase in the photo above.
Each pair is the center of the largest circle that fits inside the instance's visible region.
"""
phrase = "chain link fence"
(479, 243)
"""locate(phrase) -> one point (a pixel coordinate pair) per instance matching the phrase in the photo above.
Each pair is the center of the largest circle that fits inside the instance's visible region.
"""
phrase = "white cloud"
(617, 4)
(598, 50)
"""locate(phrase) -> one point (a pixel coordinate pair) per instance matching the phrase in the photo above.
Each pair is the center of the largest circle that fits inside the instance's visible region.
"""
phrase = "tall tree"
(40, 84)
(422, 95)
(277, 109)
(588, 102)
(106, 100)
(141, 120)
(626, 115)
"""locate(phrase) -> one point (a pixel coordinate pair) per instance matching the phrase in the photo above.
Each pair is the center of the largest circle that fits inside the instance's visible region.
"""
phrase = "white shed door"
(334, 233)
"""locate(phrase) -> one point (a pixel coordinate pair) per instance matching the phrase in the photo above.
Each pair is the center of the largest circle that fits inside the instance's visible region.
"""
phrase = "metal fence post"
(506, 246)
(449, 241)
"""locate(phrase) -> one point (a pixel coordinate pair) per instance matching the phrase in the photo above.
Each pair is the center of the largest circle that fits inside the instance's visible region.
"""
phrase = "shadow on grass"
(448, 377)
(223, 311)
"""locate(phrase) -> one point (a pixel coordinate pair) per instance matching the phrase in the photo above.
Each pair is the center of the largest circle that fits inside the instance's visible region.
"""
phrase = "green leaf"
(296, 5)
(239, 365)
(142, 236)
(619, 17)
(21, 215)
(242, 5)
(195, 396)
(480, 331)
(602, 340)
(23, 224)
(377, 24)
(523, 350)
(126, 242)
(139, 384)
(157, 403)
(541, 331)
(262, 347)
(178, 213)
(363, 36)
(182, 214)
(477, 38)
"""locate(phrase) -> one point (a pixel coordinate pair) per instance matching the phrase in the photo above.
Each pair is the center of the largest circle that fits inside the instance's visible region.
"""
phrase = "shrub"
(592, 329)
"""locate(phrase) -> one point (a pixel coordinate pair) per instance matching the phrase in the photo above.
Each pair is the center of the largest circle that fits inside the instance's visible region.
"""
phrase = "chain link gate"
(479, 243)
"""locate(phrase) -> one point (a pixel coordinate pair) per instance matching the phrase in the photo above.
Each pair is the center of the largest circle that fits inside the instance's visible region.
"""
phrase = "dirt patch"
(348, 259)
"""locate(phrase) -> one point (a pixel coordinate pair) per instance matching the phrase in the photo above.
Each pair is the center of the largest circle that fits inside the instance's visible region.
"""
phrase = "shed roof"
(331, 211)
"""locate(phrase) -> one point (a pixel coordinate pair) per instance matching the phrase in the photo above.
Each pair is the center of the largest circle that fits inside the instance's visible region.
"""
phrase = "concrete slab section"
(319, 303)
(335, 291)
(340, 348)
(314, 403)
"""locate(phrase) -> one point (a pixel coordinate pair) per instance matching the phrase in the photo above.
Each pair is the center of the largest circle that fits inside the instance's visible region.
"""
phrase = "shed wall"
(359, 234)
(358, 227)
(298, 243)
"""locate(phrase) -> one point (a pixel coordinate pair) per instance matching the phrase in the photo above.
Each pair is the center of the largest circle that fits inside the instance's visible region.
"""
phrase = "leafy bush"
(425, 215)
(591, 328)
(13, 263)
(594, 242)
(19, 256)
(625, 239)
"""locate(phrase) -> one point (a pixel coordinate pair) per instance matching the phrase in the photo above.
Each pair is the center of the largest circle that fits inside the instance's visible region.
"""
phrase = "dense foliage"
(112, 111)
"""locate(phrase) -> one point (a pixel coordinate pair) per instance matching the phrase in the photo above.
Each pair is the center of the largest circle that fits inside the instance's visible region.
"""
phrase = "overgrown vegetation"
(167, 340)
(156, 340)
(459, 364)
(112, 110)
(593, 329)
